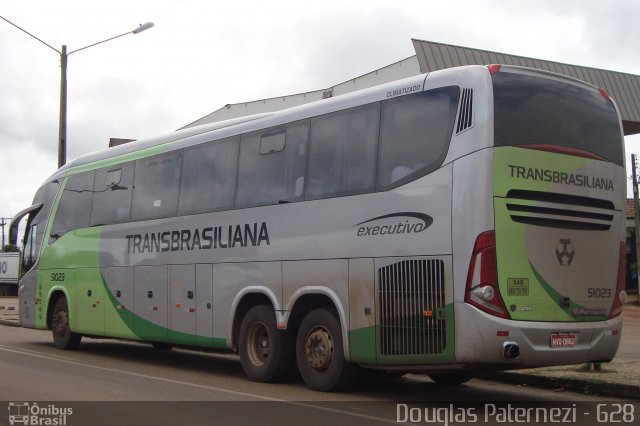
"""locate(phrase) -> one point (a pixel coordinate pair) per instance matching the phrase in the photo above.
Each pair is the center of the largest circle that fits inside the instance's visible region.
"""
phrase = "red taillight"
(494, 68)
(604, 93)
(621, 296)
(482, 282)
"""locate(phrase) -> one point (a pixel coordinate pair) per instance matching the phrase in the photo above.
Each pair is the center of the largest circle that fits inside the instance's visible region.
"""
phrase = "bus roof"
(218, 130)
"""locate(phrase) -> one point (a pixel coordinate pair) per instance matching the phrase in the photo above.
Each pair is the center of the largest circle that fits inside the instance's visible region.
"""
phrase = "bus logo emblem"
(565, 252)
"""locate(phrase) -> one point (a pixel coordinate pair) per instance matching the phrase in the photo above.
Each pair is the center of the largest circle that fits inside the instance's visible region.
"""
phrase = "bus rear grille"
(411, 295)
(465, 114)
(553, 197)
(553, 210)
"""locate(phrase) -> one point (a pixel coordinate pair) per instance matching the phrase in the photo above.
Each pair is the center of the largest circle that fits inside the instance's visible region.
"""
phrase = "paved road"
(108, 370)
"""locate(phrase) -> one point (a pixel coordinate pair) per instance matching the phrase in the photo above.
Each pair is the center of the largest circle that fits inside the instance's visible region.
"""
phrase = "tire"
(63, 337)
(320, 353)
(450, 379)
(266, 353)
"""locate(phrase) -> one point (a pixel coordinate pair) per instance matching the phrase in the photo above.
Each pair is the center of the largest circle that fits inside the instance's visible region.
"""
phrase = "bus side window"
(74, 209)
(29, 254)
(343, 152)
(112, 194)
(209, 176)
(272, 165)
(156, 188)
(415, 131)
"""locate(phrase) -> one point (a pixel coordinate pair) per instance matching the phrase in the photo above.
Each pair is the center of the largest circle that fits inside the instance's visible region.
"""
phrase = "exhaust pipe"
(510, 350)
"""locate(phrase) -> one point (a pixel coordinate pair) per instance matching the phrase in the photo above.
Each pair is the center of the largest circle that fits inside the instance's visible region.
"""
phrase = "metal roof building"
(430, 56)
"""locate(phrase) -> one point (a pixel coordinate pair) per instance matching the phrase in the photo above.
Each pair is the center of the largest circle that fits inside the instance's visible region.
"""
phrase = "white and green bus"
(470, 219)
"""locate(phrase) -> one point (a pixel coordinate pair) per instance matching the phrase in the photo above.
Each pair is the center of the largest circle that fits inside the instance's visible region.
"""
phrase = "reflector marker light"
(604, 93)
(494, 68)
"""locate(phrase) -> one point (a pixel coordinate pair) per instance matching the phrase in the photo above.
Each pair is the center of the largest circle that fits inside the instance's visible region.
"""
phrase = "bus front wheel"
(320, 353)
(63, 337)
(266, 353)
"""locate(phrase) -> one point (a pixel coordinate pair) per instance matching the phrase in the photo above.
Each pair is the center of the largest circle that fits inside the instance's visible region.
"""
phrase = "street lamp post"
(62, 137)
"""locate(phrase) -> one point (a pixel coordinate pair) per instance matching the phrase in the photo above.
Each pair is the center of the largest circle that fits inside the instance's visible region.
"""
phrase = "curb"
(620, 390)
(10, 323)
(9, 310)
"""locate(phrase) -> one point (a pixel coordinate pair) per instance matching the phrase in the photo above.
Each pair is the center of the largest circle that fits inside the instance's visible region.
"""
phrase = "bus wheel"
(266, 353)
(450, 379)
(320, 353)
(63, 337)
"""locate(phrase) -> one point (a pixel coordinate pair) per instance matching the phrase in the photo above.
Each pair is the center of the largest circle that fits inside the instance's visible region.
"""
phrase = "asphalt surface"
(114, 382)
(619, 378)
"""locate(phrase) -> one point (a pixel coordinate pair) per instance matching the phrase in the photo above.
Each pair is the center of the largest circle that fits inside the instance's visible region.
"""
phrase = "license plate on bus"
(564, 340)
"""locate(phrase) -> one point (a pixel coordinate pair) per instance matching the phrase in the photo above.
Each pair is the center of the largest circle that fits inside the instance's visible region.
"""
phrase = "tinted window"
(343, 152)
(415, 132)
(157, 183)
(74, 209)
(209, 177)
(536, 110)
(35, 228)
(276, 175)
(112, 194)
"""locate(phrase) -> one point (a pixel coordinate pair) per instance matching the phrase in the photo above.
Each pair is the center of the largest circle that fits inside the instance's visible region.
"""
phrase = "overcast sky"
(202, 55)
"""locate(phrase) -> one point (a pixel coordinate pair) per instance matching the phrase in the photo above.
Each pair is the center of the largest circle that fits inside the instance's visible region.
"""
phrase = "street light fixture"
(62, 139)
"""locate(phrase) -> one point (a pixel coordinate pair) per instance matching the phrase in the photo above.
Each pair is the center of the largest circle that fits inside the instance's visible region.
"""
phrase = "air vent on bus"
(465, 113)
(411, 297)
(562, 211)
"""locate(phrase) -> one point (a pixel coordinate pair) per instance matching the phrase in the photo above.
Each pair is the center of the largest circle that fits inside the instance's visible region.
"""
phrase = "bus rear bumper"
(485, 339)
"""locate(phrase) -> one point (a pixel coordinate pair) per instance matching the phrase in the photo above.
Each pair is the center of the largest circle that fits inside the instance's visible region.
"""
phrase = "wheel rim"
(258, 343)
(319, 349)
(61, 324)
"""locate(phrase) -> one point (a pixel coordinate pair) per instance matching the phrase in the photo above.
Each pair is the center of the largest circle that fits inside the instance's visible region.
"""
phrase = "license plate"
(565, 340)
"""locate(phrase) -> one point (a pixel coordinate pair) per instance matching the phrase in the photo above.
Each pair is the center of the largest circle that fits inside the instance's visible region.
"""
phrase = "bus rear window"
(531, 110)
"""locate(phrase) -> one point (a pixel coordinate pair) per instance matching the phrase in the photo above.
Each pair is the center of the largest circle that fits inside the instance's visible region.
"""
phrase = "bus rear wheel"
(63, 337)
(266, 353)
(320, 353)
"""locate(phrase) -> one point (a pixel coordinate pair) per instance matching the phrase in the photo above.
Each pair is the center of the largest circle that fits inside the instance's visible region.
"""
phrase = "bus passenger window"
(343, 152)
(112, 195)
(157, 183)
(272, 165)
(75, 205)
(415, 132)
(209, 176)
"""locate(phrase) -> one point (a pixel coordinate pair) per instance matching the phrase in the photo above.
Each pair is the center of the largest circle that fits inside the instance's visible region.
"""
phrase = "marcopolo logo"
(394, 224)
(565, 252)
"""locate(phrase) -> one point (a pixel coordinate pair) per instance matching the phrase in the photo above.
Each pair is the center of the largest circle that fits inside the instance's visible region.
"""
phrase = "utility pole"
(2, 223)
(62, 130)
(636, 209)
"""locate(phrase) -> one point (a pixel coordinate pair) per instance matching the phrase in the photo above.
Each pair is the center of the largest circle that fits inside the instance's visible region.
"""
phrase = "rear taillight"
(482, 282)
(620, 297)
